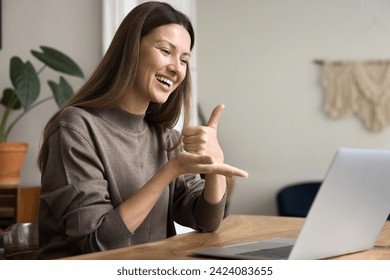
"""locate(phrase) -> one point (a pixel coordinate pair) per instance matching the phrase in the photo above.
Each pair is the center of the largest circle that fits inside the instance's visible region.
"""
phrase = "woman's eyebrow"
(172, 46)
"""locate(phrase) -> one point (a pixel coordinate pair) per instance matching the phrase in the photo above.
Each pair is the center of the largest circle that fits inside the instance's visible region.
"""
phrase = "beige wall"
(256, 56)
(72, 26)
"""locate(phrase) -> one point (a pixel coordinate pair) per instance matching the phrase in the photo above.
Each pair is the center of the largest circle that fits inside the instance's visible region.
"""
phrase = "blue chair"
(296, 199)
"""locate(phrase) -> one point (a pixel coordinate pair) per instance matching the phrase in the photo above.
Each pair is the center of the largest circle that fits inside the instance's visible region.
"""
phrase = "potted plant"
(22, 97)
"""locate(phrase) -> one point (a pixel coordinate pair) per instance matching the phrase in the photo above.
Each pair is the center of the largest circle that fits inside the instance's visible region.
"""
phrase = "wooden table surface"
(234, 229)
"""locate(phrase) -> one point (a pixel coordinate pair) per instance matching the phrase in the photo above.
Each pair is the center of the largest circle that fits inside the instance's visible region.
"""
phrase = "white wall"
(71, 26)
(256, 56)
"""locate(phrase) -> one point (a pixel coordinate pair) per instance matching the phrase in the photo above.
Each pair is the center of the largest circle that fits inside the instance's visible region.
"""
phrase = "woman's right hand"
(184, 163)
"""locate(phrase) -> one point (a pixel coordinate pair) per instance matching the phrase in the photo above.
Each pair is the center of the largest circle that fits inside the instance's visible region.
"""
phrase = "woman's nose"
(172, 68)
(175, 65)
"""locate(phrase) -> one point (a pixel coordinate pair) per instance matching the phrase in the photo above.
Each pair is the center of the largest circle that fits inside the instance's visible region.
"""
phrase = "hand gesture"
(202, 152)
(185, 162)
(202, 140)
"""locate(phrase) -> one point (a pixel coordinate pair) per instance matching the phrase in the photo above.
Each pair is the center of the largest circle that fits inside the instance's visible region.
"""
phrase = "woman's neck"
(134, 106)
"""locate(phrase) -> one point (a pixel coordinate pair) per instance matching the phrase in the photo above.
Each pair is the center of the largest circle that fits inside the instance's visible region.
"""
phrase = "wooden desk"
(234, 229)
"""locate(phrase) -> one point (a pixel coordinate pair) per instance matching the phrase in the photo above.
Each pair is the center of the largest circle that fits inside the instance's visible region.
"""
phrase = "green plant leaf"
(58, 61)
(10, 99)
(25, 80)
(62, 91)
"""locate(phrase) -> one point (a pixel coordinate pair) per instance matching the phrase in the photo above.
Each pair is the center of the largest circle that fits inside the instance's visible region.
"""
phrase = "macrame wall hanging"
(360, 88)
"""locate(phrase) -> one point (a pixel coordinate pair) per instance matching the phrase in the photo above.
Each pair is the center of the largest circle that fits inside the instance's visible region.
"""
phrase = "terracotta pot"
(11, 162)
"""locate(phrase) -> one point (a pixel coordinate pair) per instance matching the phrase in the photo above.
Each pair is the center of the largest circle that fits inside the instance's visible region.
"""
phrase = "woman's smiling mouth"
(166, 82)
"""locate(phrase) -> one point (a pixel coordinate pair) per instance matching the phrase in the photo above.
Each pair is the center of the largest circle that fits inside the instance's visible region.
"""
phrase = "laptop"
(347, 215)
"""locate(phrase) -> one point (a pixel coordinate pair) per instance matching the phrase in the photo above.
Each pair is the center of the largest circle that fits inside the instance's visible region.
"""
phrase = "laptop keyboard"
(273, 253)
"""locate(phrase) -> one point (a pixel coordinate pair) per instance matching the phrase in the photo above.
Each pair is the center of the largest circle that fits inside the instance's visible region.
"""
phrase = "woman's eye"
(184, 61)
(165, 51)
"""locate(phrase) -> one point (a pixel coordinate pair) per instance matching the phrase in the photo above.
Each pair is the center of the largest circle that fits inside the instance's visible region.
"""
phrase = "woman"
(114, 172)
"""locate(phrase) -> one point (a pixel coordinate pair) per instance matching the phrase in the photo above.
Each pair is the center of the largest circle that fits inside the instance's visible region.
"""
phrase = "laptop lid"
(347, 215)
(350, 208)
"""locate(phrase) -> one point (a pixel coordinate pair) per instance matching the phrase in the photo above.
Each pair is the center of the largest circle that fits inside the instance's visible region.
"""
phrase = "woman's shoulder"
(75, 116)
(72, 113)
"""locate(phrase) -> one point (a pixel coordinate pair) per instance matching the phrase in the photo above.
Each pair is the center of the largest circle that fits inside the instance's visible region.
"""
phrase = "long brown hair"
(116, 73)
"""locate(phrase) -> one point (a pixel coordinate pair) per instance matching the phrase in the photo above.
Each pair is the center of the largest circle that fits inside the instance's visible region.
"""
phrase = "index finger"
(226, 170)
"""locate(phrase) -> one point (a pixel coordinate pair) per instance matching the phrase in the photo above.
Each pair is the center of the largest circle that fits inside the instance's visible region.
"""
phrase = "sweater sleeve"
(190, 207)
(75, 191)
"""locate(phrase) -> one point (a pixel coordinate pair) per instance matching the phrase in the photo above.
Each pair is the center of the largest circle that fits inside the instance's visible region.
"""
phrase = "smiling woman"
(111, 157)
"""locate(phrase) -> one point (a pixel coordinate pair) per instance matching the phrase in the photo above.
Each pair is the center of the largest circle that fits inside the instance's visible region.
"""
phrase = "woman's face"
(163, 61)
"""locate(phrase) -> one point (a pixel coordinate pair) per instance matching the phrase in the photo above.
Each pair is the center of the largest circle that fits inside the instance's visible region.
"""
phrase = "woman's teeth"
(165, 81)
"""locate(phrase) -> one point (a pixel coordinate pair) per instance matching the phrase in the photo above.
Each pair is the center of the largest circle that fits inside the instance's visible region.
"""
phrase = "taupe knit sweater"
(96, 160)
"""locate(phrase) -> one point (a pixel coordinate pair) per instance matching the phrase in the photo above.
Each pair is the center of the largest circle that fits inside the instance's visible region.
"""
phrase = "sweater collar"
(129, 122)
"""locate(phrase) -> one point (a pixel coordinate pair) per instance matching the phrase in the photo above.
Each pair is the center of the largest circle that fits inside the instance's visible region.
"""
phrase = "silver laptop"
(347, 214)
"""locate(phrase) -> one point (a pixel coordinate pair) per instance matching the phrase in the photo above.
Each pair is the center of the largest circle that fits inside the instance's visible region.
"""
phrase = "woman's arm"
(135, 209)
